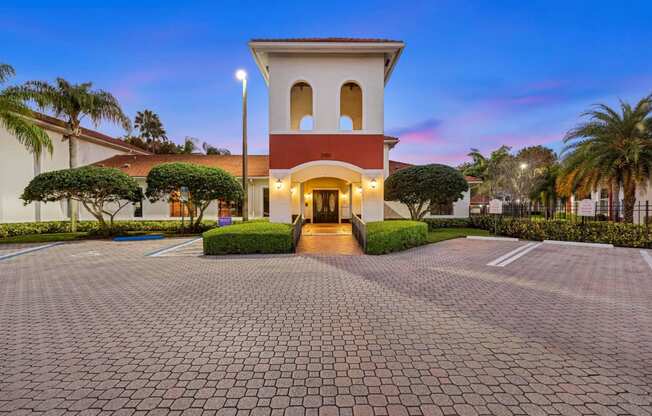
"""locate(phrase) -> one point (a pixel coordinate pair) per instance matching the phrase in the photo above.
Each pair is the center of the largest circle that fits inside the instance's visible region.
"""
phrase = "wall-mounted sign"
(495, 206)
(586, 208)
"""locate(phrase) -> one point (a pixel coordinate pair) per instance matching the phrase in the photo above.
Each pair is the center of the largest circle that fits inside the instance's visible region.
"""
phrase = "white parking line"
(511, 253)
(174, 247)
(647, 257)
(27, 250)
(519, 255)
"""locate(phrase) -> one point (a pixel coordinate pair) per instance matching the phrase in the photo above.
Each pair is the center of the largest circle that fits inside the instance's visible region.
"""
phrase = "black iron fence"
(296, 230)
(359, 229)
(577, 211)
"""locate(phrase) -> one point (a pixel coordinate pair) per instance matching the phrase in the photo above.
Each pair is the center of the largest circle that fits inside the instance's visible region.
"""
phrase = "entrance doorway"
(325, 207)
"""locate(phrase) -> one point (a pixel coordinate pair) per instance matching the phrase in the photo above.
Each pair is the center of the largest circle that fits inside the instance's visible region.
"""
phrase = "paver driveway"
(96, 327)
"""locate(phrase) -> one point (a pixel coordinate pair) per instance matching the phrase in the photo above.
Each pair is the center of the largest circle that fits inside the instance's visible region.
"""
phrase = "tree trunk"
(629, 199)
(72, 157)
(614, 204)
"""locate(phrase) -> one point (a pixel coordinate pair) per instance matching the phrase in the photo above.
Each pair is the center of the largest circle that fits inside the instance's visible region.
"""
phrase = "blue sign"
(223, 221)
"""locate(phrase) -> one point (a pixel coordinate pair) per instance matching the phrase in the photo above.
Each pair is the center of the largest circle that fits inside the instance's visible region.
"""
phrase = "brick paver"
(97, 328)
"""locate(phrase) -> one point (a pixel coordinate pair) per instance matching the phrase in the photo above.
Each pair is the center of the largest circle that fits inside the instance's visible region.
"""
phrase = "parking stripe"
(519, 255)
(172, 248)
(647, 257)
(27, 250)
(511, 253)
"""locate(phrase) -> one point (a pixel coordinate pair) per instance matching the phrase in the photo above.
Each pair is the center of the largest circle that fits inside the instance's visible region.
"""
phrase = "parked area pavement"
(98, 327)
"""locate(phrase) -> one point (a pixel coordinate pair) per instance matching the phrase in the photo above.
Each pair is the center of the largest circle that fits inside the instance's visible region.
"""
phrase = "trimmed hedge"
(618, 234)
(92, 227)
(397, 235)
(436, 223)
(249, 237)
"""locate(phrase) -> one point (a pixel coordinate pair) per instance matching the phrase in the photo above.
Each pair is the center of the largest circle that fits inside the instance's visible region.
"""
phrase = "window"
(351, 106)
(265, 202)
(441, 209)
(230, 209)
(301, 106)
(603, 206)
(138, 209)
(180, 209)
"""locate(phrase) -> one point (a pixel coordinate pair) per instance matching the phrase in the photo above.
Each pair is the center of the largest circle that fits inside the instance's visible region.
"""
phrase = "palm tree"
(612, 147)
(72, 103)
(150, 127)
(15, 117)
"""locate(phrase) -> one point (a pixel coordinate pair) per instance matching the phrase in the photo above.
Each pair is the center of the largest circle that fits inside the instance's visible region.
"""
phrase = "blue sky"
(473, 74)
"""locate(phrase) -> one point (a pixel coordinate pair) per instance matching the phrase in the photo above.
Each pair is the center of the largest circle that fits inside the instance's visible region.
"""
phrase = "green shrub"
(249, 237)
(436, 223)
(92, 227)
(618, 234)
(389, 236)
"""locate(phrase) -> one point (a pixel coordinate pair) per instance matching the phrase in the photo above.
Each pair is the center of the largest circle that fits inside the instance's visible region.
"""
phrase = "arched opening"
(351, 105)
(300, 105)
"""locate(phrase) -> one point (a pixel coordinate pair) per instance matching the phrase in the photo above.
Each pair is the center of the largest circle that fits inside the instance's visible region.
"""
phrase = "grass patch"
(249, 237)
(44, 238)
(442, 234)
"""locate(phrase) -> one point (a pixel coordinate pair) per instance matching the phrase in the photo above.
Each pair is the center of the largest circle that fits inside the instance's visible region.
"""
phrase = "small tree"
(204, 185)
(419, 187)
(102, 191)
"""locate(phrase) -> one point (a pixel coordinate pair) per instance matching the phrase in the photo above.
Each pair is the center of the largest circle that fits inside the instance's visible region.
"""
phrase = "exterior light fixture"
(279, 184)
(372, 184)
(523, 166)
(241, 74)
(359, 189)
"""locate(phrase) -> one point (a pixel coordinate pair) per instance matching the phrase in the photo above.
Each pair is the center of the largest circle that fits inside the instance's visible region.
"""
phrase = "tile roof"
(88, 133)
(140, 165)
(327, 40)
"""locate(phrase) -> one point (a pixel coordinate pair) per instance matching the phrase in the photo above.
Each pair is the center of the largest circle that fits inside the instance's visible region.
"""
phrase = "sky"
(474, 74)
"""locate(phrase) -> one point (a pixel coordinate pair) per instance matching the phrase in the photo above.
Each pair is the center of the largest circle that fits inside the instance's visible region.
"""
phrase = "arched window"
(300, 105)
(351, 105)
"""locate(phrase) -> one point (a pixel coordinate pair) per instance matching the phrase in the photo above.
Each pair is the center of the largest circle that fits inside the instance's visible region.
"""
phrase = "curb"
(577, 243)
(479, 237)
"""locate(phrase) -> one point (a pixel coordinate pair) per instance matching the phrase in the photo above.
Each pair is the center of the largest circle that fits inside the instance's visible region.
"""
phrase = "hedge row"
(51, 227)
(436, 223)
(618, 234)
(249, 237)
(389, 236)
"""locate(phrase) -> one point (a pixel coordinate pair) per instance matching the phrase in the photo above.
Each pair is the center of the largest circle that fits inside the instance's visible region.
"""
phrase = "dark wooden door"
(325, 206)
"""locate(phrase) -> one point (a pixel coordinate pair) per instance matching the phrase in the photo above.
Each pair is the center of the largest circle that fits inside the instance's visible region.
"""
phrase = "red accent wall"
(289, 150)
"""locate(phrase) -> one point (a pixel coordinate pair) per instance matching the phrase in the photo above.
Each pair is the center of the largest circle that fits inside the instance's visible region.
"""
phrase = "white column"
(372, 196)
(280, 197)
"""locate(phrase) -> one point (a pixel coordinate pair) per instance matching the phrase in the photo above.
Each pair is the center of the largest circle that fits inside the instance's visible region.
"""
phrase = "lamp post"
(241, 75)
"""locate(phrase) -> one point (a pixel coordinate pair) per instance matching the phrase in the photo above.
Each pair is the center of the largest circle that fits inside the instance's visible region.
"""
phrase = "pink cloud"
(424, 132)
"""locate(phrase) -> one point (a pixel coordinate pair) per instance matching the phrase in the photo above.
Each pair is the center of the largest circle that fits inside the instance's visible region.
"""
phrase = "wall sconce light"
(359, 189)
(279, 184)
(372, 184)
(292, 190)
(308, 195)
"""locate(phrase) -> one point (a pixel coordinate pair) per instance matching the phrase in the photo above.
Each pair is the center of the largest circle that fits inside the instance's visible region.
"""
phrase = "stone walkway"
(328, 239)
(97, 328)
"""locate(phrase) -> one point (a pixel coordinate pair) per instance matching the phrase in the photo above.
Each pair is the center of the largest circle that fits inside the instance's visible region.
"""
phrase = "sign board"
(223, 221)
(184, 194)
(495, 206)
(586, 208)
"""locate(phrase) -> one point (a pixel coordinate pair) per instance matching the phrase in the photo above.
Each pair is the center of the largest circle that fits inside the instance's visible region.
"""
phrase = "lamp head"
(241, 74)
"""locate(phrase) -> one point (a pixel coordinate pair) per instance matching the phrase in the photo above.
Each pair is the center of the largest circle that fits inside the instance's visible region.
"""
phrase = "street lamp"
(523, 166)
(241, 75)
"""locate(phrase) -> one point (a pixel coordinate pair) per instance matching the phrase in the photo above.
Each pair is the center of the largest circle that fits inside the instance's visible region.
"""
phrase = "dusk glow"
(475, 75)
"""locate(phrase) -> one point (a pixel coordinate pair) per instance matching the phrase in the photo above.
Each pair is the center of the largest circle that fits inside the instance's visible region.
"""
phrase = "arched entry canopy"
(326, 168)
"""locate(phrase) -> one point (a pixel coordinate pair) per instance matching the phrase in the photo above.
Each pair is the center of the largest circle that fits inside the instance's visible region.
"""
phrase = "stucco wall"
(326, 75)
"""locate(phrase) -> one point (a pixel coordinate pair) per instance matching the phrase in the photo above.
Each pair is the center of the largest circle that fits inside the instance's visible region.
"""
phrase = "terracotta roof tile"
(140, 165)
(89, 133)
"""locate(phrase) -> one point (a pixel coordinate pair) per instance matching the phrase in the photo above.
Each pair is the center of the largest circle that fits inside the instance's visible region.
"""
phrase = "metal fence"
(570, 211)
(296, 230)
(359, 229)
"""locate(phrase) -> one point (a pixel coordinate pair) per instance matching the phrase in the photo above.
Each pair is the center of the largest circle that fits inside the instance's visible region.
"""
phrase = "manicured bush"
(436, 223)
(249, 237)
(389, 236)
(51, 227)
(618, 234)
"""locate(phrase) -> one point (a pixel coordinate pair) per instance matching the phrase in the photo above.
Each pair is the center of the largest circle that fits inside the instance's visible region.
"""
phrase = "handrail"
(359, 229)
(296, 230)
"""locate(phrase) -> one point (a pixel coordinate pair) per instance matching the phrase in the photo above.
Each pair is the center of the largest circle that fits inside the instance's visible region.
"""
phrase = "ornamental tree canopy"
(204, 184)
(419, 187)
(100, 190)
